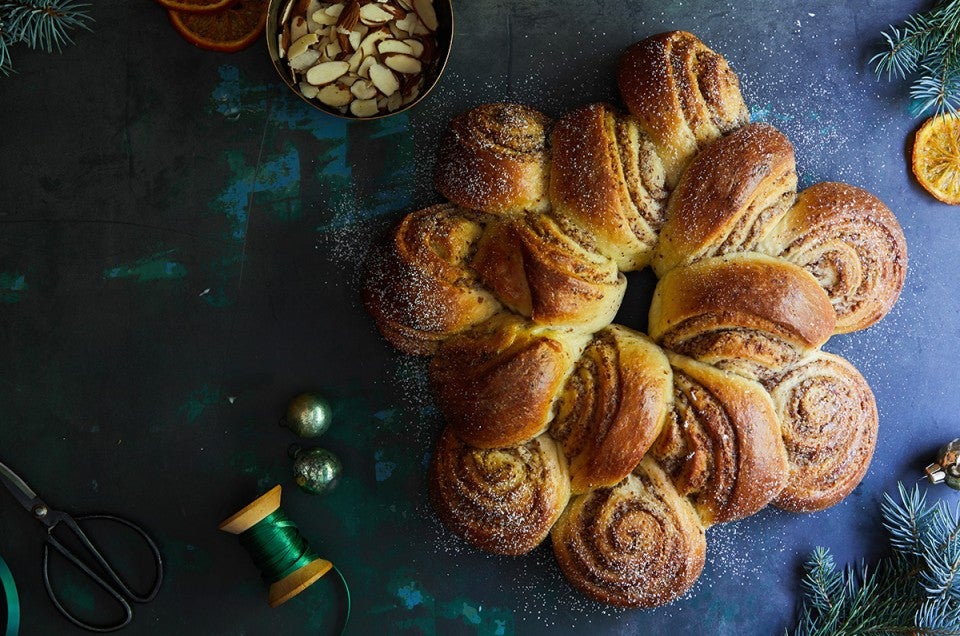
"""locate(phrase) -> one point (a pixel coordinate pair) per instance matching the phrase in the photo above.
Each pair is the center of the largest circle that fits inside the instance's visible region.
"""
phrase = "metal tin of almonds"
(278, 11)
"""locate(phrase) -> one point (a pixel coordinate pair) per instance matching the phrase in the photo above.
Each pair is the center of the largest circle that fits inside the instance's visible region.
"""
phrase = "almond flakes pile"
(363, 57)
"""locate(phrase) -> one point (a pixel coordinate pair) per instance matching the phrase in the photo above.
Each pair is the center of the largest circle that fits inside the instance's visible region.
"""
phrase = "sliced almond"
(335, 95)
(363, 89)
(395, 11)
(364, 107)
(406, 4)
(323, 18)
(420, 28)
(312, 8)
(428, 15)
(396, 31)
(355, 39)
(308, 90)
(305, 60)
(332, 50)
(326, 72)
(394, 46)
(412, 95)
(408, 24)
(369, 44)
(348, 80)
(334, 9)
(384, 79)
(298, 28)
(416, 47)
(394, 102)
(353, 64)
(343, 43)
(374, 14)
(349, 16)
(302, 44)
(403, 63)
(364, 70)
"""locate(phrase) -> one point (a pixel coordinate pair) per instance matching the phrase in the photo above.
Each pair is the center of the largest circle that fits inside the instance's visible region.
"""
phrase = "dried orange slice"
(195, 6)
(227, 30)
(936, 157)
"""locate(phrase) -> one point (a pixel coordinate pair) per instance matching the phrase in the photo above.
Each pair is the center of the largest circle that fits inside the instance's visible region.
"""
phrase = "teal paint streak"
(234, 201)
(410, 596)
(11, 286)
(416, 610)
(235, 96)
(198, 402)
(383, 469)
(275, 184)
(318, 158)
(151, 268)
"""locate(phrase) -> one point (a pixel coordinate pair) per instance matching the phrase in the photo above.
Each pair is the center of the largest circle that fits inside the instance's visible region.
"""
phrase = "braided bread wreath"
(624, 448)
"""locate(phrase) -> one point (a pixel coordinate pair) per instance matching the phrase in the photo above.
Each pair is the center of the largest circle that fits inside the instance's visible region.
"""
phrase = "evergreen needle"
(914, 590)
(927, 47)
(39, 24)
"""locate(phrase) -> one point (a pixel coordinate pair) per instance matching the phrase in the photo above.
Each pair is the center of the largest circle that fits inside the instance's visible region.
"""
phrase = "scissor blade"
(19, 488)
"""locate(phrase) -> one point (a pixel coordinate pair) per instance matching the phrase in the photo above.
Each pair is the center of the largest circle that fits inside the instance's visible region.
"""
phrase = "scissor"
(93, 564)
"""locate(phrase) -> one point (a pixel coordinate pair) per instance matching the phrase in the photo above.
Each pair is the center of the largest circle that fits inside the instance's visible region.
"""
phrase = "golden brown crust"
(501, 500)
(419, 287)
(637, 544)
(852, 244)
(722, 444)
(494, 158)
(655, 443)
(496, 383)
(729, 197)
(612, 407)
(540, 272)
(683, 94)
(606, 177)
(829, 419)
(749, 313)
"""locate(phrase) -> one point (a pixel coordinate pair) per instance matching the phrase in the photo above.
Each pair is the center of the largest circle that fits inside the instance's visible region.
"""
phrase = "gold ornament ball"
(308, 415)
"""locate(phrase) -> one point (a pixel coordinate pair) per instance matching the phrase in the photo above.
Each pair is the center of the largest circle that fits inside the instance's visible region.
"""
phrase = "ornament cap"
(935, 473)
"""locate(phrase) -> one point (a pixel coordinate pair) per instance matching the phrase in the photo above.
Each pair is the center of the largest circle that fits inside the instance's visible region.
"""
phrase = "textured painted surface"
(181, 243)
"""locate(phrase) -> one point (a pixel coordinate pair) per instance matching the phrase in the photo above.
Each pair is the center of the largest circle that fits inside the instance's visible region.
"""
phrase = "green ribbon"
(13, 601)
(277, 547)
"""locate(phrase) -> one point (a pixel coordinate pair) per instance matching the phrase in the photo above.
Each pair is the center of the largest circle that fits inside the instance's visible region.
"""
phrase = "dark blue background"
(180, 241)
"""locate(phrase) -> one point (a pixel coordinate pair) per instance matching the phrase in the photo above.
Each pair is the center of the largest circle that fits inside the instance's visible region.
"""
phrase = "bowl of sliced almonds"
(360, 59)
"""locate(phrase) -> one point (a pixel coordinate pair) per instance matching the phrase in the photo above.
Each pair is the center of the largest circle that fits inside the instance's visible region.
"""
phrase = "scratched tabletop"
(181, 243)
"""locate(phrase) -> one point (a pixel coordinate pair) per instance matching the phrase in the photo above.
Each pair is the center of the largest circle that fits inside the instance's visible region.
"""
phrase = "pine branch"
(39, 24)
(915, 590)
(926, 45)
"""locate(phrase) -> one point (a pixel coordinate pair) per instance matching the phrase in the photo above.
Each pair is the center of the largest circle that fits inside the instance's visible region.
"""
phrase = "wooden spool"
(295, 582)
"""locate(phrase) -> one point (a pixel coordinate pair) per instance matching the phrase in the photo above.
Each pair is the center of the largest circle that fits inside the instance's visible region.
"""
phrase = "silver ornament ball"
(316, 470)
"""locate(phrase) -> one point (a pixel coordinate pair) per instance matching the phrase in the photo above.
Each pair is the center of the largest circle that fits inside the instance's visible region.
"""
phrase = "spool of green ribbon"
(283, 556)
(277, 547)
(9, 589)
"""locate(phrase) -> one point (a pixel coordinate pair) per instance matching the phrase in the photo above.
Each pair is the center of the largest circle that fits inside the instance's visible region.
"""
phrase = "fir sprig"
(38, 24)
(915, 590)
(926, 45)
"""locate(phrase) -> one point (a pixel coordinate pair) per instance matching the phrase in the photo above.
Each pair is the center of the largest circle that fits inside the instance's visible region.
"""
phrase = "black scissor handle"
(116, 587)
